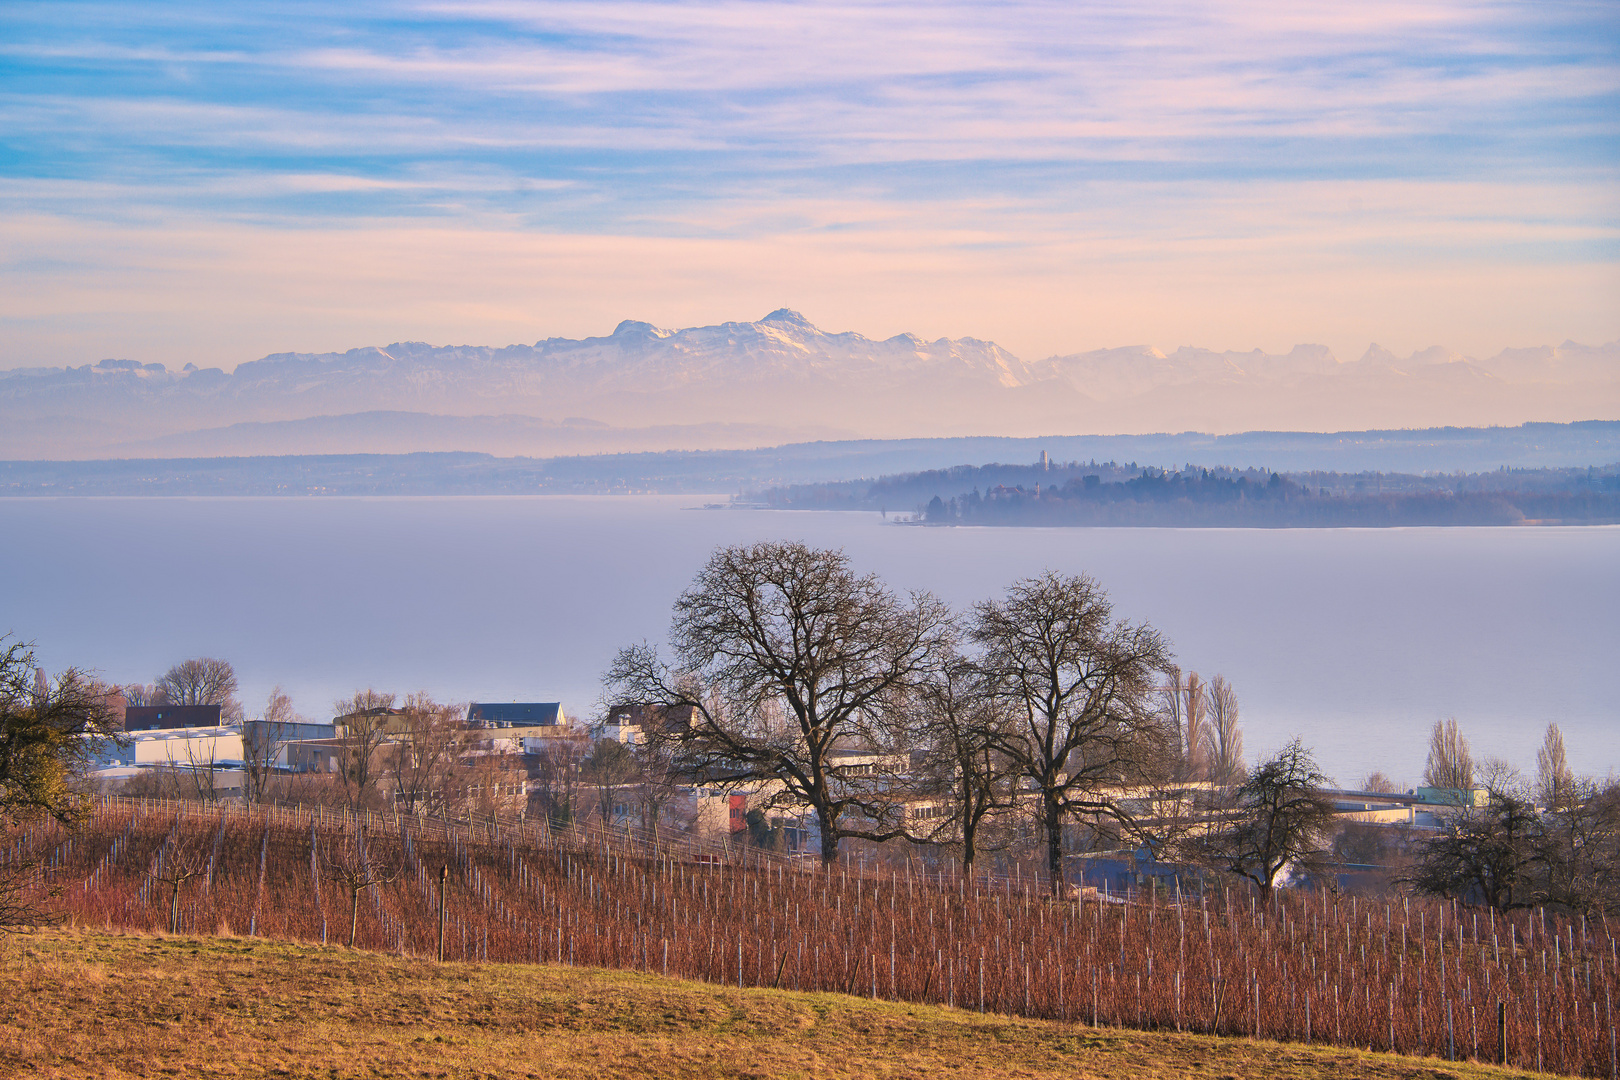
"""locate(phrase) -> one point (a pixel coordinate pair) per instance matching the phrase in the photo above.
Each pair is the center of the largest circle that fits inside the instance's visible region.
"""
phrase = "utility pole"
(444, 885)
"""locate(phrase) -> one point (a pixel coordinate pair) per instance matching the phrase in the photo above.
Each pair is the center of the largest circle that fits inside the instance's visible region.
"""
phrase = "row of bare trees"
(1207, 716)
(828, 691)
(1451, 766)
(1515, 842)
(418, 756)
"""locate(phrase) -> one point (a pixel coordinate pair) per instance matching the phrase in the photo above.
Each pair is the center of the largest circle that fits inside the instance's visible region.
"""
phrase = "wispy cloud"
(1355, 135)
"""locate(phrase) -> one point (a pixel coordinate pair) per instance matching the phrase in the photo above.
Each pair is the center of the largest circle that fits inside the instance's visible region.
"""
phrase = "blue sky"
(209, 183)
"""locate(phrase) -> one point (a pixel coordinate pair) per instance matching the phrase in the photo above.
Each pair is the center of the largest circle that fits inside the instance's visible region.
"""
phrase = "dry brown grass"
(1303, 965)
(85, 1003)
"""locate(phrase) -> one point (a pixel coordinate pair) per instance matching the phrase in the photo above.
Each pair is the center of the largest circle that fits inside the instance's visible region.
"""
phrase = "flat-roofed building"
(516, 714)
(159, 717)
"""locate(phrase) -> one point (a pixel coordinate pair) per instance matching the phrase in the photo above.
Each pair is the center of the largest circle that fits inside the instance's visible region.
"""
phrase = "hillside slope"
(91, 1003)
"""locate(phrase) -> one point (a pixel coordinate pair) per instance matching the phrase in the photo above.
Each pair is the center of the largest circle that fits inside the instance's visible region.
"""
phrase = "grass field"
(87, 1003)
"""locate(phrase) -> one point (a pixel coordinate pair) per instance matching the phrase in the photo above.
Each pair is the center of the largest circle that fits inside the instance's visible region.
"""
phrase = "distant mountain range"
(780, 379)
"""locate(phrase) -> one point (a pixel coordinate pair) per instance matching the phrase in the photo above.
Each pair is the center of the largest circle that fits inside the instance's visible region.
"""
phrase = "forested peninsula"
(1110, 493)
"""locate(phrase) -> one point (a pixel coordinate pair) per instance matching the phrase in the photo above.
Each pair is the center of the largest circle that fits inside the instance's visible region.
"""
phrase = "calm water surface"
(1357, 639)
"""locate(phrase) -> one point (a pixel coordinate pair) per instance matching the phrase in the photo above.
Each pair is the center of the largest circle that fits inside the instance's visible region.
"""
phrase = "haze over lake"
(1356, 639)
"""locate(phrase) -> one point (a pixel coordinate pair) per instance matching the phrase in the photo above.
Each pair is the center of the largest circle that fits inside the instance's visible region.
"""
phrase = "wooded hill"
(1111, 493)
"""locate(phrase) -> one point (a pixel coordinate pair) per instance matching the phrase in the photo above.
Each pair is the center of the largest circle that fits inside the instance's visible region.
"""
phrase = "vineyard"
(1420, 978)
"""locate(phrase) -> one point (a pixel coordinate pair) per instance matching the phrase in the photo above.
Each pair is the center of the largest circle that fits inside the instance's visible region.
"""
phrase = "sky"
(208, 183)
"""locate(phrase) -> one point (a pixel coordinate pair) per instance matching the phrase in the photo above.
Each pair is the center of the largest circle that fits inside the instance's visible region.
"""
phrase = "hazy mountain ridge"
(396, 432)
(1449, 451)
(756, 383)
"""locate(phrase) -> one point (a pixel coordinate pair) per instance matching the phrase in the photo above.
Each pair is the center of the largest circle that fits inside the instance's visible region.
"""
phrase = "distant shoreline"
(1375, 456)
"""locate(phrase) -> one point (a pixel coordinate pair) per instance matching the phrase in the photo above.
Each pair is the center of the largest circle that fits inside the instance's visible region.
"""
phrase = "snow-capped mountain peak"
(783, 372)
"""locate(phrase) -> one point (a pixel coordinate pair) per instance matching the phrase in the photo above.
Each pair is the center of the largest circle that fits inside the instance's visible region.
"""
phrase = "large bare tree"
(1451, 763)
(1509, 854)
(785, 657)
(1576, 863)
(202, 680)
(1081, 687)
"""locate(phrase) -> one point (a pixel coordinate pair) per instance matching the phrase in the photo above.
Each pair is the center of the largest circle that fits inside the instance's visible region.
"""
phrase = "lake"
(1356, 639)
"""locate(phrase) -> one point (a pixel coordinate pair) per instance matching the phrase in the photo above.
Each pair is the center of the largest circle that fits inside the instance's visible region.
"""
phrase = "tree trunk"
(174, 909)
(354, 914)
(970, 830)
(1054, 844)
(829, 838)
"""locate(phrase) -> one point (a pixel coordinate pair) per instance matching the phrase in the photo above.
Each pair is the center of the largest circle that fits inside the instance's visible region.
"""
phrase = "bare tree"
(51, 732)
(1483, 853)
(420, 760)
(1450, 765)
(1223, 738)
(143, 694)
(659, 782)
(486, 784)
(556, 777)
(1555, 783)
(157, 783)
(176, 865)
(352, 866)
(1378, 782)
(1576, 851)
(611, 770)
(1279, 817)
(1195, 731)
(960, 724)
(1508, 854)
(202, 681)
(264, 740)
(364, 726)
(1080, 687)
(201, 768)
(785, 656)
(1175, 709)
